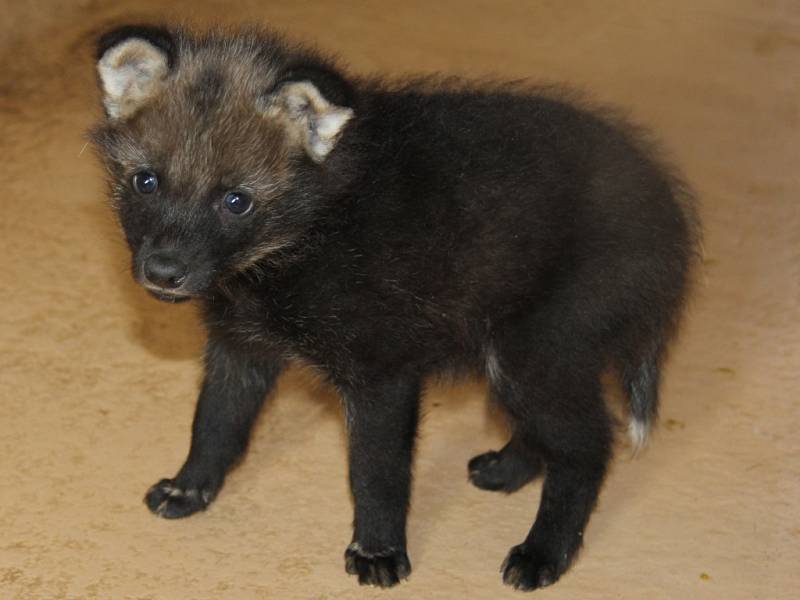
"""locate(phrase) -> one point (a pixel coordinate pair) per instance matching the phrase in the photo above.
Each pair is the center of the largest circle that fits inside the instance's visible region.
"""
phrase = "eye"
(237, 202)
(145, 182)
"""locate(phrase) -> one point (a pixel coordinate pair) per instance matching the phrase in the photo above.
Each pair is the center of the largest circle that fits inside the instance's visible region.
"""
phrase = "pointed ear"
(311, 120)
(132, 64)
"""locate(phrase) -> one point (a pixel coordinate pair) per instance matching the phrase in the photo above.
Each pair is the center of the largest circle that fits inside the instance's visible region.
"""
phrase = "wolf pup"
(386, 232)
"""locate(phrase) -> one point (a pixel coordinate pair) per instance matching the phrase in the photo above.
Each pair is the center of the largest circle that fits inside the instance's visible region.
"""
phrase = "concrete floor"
(97, 381)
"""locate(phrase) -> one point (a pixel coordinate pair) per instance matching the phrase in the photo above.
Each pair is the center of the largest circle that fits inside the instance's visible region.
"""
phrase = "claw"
(383, 569)
(171, 501)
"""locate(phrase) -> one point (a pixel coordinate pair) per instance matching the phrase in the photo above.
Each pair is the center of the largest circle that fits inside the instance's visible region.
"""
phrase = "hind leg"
(506, 470)
(575, 439)
(552, 394)
(568, 497)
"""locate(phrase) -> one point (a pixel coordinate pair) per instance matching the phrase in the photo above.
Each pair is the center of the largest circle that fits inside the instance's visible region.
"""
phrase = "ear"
(132, 63)
(311, 120)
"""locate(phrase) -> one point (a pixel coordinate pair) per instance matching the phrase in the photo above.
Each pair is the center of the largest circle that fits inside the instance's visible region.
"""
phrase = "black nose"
(164, 270)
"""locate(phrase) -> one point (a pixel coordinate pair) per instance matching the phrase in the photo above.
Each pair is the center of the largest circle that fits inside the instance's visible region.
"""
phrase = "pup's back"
(478, 202)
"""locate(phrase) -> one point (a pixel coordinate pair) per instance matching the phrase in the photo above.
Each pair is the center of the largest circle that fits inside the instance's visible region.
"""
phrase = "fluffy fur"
(397, 231)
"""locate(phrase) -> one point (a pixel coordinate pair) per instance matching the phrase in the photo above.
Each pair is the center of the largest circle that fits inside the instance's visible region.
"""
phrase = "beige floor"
(97, 381)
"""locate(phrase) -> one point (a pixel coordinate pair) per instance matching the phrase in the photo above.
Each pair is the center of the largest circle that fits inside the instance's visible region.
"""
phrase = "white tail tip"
(637, 432)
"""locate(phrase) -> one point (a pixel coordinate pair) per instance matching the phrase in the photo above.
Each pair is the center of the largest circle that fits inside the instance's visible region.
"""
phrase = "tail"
(640, 382)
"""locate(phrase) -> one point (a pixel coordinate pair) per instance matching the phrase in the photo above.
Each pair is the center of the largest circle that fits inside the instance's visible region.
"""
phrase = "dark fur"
(455, 227)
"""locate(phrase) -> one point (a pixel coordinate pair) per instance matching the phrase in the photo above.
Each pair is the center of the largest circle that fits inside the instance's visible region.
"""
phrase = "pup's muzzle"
(165, 271)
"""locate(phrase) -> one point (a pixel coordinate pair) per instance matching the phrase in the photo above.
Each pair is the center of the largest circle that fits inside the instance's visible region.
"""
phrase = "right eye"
(145, 182)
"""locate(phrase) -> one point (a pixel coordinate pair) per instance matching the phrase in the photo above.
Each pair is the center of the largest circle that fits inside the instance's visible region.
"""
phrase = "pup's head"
(218, 150)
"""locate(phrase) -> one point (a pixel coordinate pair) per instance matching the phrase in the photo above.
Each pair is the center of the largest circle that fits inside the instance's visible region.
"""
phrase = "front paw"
(383, 569)
(170, 500)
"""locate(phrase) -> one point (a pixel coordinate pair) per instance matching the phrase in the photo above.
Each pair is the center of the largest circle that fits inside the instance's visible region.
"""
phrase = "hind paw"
(169, 500)
(501, 471)
(527, 569)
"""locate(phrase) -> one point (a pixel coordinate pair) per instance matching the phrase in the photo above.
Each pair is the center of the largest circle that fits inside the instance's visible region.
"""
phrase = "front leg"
(233, 391)
(382, 424)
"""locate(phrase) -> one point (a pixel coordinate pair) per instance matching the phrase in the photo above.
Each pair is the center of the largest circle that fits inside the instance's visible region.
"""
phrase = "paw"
(169, 500)
(485, 471)
(527, 569)
(383, 569)
(499, 471)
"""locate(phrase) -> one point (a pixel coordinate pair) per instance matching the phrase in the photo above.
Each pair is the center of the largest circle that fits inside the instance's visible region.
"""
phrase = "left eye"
(237, 202)
(145, 182)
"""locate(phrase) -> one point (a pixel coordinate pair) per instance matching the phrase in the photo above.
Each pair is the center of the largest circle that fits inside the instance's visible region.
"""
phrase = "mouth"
(166, 295)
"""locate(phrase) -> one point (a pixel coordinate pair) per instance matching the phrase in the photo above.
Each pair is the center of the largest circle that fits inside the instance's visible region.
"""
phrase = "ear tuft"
(132, 65)
(310, 119)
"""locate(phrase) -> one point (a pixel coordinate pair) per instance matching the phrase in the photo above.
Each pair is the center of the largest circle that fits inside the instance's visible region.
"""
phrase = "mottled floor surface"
(97, 381)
